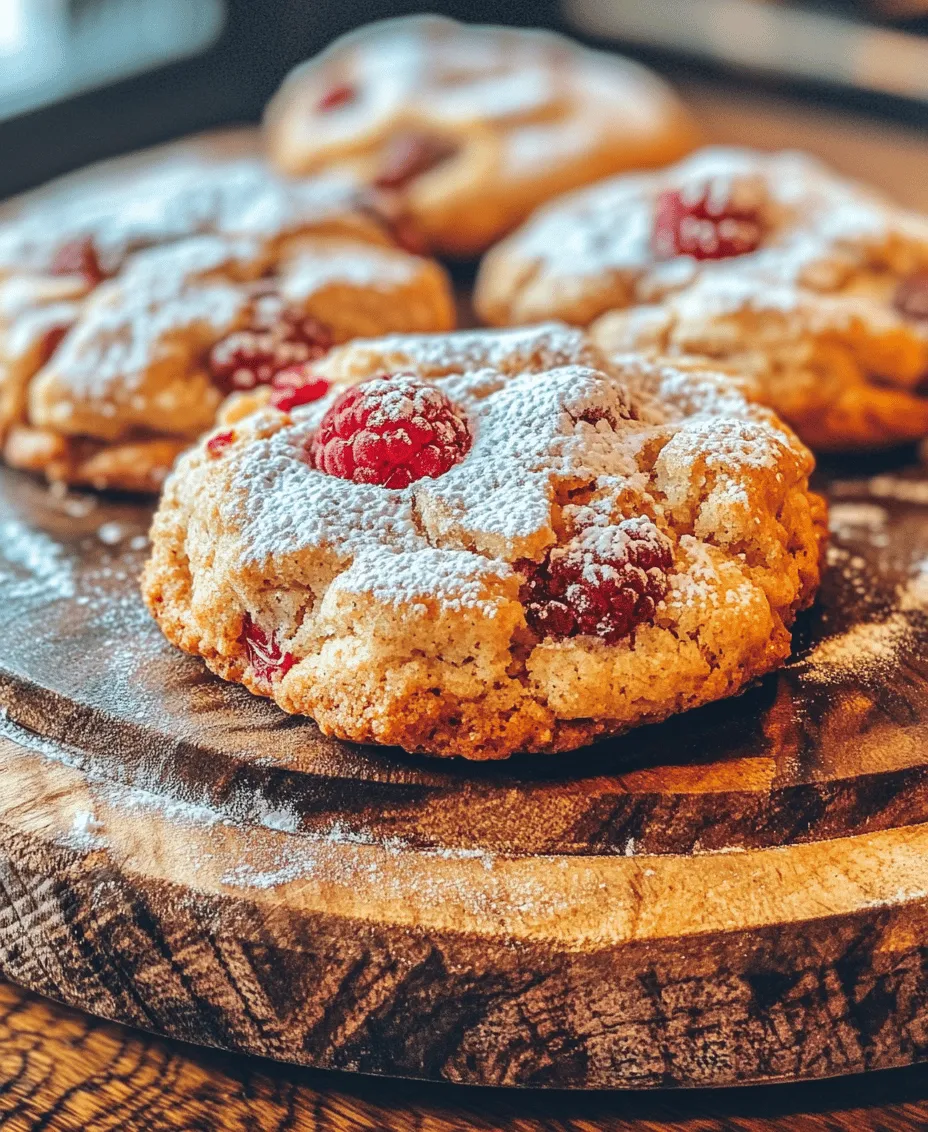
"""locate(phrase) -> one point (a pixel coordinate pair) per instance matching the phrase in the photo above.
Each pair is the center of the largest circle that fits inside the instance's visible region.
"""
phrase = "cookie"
(810, 284)
(464, 130)
(130, 308)
(491, 541)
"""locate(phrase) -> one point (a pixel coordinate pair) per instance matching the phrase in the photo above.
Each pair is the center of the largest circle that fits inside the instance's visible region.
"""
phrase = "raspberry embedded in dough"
(390, 431)
(408, 155)
(79, 257)
(296, 385)
(605, 582)
(267, 659)
(277, 338)
(51, 340)
(217, 444)
(338, 95)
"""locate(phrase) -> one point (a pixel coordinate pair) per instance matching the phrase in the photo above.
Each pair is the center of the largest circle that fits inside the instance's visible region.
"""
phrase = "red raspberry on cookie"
(337, 96)
(705, 222)
(296, 385)
(79, 257)
(605, 582)
(277, 338)
(390, 431)
(267, 659)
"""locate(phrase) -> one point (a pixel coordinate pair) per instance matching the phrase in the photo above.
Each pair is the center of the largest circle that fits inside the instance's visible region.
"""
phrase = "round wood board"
(740, 894)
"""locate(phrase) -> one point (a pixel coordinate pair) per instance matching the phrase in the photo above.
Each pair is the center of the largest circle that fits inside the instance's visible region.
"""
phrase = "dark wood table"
(63, 1070)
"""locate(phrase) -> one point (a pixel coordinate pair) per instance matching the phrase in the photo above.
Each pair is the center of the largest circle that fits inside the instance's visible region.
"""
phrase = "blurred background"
(82, 80)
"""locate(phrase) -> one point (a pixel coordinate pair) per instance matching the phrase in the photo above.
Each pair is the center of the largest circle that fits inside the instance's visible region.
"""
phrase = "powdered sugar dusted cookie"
(466, 129)
(130, 308)
(487, 542)
(813, 285)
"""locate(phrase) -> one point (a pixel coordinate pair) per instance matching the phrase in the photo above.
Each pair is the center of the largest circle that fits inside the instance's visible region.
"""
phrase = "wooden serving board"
(740, 894)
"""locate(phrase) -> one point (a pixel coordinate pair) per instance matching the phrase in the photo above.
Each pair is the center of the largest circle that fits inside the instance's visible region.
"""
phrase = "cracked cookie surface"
(465, 129)
(813, 286)
(614, 542)
(115, 294)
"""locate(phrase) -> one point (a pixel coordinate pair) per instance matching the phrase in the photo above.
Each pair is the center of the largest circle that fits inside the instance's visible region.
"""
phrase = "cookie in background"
(815, 286)
(461, 130)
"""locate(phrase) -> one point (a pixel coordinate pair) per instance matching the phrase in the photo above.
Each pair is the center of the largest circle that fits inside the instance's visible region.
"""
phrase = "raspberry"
(707, 226)
(911, 298)
(408, 155)
(606, 581)
(79, 257)
(390, 431)
(267, 659)
(217, 444)
(338, 95)
(277, 337)
(296, 385)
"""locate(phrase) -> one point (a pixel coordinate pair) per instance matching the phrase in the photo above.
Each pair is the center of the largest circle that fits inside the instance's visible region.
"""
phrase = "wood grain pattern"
(738, 895)
(62, 1071)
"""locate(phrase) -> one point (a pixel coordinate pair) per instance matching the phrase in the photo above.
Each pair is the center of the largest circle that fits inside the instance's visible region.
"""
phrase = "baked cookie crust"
(828, 313)
(464, 129)
(423, 617)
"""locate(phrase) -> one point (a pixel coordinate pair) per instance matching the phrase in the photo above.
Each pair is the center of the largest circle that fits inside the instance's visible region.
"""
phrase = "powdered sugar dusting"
(179, 198)
(531, 349)
(540, 430)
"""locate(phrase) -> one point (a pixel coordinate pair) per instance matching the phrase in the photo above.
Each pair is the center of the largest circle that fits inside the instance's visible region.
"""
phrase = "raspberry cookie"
(771, 264)
(129, 309)
(463, 129)
(489, 542)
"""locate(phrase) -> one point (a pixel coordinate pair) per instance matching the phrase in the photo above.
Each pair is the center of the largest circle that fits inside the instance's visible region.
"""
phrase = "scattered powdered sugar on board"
(903, 490)
(863, 651)
(32, 564)
(84, 834)
(111, 533)
(913, 596)
(315, 855)
(861, 521)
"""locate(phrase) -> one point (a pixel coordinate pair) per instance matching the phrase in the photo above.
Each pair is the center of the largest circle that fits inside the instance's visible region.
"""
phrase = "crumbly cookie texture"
(466, 129)
(813, 286)
(113, 296)
(606, 544)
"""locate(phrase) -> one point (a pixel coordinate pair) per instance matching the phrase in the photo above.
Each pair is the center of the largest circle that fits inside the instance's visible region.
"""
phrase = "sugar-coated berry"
(276, 338)
(296, 385)
(267, 659)
(704, 224)
(390, 431)
(605, 582)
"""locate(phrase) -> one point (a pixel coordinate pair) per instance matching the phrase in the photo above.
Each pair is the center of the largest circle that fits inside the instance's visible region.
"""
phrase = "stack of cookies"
(591, 515)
